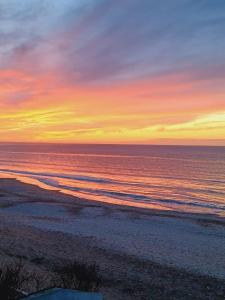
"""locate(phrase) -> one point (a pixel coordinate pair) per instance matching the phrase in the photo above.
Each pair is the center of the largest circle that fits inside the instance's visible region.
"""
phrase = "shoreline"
(122, 205)
(177, 242)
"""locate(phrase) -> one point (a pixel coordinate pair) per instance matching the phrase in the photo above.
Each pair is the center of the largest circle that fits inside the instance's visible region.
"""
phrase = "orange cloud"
(167, 108)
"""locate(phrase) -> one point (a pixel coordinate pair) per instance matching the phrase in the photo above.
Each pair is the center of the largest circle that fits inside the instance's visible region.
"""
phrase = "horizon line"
(112, 144)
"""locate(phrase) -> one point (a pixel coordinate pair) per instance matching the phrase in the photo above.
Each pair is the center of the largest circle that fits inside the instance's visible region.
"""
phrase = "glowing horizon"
(96, 71)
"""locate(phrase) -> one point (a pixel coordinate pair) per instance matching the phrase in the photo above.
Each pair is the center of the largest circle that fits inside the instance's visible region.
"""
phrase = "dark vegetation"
(79, 276)
(10, 282)
(16, 279)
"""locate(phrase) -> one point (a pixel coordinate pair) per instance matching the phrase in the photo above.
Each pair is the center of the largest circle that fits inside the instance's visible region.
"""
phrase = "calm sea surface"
(166, 177)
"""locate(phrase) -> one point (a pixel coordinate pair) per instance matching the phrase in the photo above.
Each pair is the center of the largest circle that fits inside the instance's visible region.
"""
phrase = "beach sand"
(142, 254)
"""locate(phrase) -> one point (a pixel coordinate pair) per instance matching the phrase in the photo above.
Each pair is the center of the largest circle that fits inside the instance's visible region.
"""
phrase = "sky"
(112, 71)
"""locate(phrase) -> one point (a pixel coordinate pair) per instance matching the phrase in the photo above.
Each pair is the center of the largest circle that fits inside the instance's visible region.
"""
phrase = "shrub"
(15, 277)
(79, 276)
(10, 282)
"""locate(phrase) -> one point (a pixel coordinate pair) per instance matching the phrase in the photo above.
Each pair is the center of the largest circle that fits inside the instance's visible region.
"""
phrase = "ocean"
(179, 178)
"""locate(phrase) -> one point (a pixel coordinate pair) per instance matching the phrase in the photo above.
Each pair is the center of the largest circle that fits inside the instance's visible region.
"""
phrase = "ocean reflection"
(162, 177)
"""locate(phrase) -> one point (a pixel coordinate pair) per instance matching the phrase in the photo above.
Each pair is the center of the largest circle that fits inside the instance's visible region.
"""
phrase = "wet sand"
(141, 253)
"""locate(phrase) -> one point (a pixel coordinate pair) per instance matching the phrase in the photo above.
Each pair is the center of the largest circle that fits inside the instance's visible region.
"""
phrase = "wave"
(57, 175)
(147, 199)
(105, 181)
(140, 198)
(121, 155)
(54, 180)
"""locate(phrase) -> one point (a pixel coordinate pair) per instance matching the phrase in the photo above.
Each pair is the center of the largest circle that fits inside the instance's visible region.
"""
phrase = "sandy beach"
(141, 253)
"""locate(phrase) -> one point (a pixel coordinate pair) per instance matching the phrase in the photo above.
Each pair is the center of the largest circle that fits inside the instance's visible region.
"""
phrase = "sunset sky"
(112, 71)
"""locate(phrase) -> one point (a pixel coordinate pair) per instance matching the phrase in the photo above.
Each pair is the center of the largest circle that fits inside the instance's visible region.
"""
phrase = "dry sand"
(142, 254)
